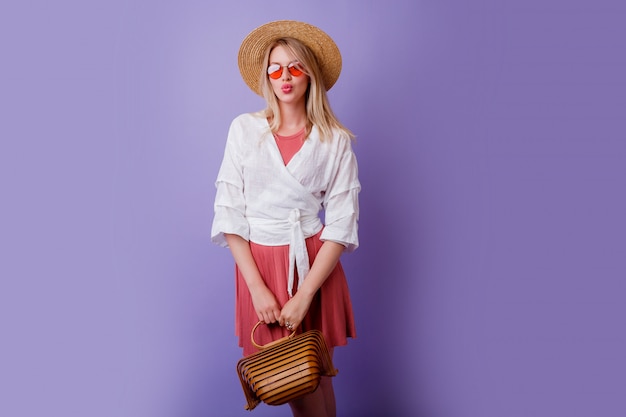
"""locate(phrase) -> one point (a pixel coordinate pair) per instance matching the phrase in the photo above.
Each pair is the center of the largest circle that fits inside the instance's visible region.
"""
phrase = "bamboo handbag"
(285, 369)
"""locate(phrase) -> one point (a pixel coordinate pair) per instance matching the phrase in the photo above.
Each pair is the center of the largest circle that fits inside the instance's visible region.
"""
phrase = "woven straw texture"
(256, 43)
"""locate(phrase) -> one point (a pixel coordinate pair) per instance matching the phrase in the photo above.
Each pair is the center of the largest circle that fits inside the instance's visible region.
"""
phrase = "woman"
(281, 167)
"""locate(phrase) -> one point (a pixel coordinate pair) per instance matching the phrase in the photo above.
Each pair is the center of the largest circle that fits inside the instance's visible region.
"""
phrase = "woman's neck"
(292, 119)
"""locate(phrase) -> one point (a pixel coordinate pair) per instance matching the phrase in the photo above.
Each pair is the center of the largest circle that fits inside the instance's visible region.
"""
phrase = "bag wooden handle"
(282, 339)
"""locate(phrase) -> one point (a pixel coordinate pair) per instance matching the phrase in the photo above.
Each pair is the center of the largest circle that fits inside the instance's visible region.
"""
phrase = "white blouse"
(266, 202)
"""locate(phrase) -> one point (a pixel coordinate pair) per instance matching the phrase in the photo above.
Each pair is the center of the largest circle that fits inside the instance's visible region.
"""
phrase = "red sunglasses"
(275, 71)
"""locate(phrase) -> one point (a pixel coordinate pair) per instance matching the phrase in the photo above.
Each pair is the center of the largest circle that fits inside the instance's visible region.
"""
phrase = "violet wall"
(492, 148)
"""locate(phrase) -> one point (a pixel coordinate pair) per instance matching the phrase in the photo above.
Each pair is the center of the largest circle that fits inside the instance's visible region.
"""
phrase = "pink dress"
(331, 308)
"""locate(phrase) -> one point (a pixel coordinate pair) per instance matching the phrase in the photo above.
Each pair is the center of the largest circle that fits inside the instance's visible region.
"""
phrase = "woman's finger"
(272, 317)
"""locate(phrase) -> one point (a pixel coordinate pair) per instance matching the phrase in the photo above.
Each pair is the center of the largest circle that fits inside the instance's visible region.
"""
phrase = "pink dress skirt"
(330, 311)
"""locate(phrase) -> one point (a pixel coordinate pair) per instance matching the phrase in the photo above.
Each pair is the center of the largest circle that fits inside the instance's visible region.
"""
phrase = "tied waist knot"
(298, 255)
(291, 226)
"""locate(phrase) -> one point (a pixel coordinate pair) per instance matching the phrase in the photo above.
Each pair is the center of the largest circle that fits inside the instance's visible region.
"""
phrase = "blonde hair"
(318, 110)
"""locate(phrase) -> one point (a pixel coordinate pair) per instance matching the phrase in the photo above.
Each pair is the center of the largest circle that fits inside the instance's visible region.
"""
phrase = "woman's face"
(288, 88)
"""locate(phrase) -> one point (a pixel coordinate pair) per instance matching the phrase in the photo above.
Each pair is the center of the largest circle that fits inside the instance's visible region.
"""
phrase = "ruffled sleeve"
(230, 204)
(341, 201)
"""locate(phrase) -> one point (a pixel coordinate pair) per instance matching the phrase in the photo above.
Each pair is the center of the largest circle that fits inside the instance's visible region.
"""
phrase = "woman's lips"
(286, 88)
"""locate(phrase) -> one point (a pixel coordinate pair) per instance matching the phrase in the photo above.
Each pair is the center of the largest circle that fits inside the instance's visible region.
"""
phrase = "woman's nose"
(286, 73)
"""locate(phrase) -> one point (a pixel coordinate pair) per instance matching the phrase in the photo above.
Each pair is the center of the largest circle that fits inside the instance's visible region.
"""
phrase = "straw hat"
(253, 47)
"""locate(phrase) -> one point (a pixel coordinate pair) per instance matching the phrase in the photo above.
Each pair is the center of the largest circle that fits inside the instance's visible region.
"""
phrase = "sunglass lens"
(275, 71)
(295, 69)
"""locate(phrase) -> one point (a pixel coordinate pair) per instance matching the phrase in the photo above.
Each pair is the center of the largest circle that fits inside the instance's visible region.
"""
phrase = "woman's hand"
(265, 304)
(294, 310)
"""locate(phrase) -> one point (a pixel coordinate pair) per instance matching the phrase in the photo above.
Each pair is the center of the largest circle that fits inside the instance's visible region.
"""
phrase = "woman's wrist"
(256, 285)
(306, 292)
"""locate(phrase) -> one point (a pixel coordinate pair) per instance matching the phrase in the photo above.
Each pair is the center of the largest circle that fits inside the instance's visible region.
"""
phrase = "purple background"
(492, 146)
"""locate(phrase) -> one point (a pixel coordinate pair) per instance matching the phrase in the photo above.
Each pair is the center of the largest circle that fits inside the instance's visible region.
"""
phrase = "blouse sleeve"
(341, 202)
(230, 203)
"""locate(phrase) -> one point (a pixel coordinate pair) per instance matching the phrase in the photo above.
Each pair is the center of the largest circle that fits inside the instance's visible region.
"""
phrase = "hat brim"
(253, 47)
